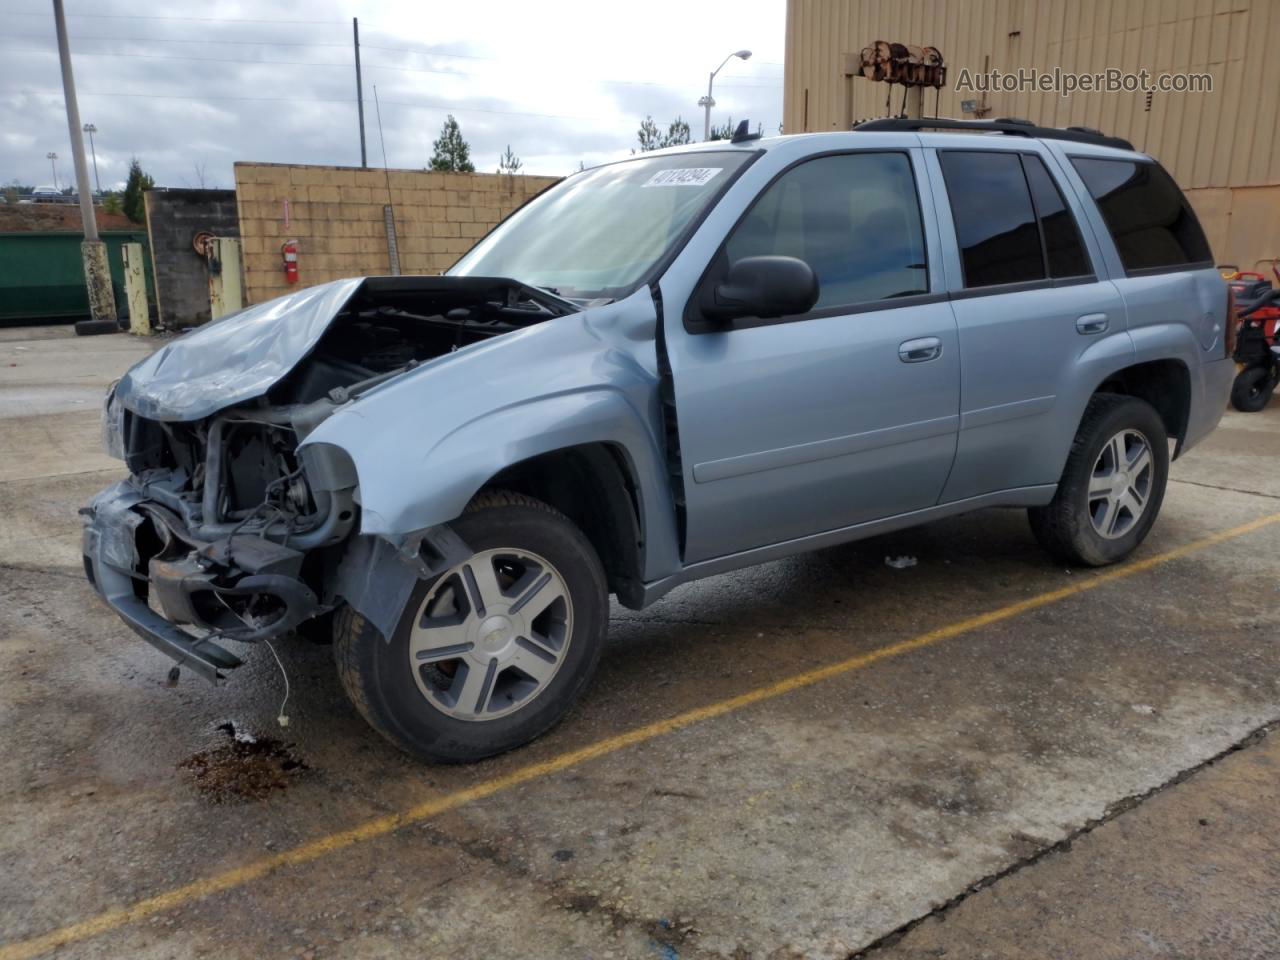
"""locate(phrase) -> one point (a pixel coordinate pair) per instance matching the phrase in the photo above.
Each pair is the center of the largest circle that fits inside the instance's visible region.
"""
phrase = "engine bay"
(392, 324)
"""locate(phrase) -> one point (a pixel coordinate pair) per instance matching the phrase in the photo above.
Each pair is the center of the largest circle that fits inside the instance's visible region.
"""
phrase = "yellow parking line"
(381, 826)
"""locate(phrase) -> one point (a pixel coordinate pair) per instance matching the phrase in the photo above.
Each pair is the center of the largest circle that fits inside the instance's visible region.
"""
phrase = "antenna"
(382, 140)
(743, 133)
(393, 246)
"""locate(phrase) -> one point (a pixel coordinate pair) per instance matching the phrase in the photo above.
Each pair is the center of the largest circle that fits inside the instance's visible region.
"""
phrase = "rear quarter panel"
(1174, 315)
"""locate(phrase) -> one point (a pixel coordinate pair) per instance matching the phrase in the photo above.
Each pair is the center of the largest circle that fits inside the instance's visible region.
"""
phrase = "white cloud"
(560, 81)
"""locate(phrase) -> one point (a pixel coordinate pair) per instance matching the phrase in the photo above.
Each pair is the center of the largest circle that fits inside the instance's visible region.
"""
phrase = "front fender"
(426, 444)
(435, 487)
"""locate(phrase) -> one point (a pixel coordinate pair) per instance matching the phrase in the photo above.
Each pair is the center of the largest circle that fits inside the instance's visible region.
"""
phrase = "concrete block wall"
(336, 216)
(174, 217)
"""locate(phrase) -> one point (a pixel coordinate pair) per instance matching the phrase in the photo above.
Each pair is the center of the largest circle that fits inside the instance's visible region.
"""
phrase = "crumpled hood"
(233, 359)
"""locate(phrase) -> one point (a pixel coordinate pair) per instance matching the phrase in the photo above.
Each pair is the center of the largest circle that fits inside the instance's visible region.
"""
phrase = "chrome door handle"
(1092, 323)
(918, 351)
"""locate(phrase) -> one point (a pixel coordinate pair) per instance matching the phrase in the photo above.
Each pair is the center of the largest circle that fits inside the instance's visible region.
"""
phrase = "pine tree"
(727, 131)
(651, 138)
(452, 153)
(677, 133)
(134, 207)
(648, 135)
(509, 163)
(722, 133)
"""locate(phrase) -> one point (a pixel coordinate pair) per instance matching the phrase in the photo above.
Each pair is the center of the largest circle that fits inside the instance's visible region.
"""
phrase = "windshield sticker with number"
(682, 177)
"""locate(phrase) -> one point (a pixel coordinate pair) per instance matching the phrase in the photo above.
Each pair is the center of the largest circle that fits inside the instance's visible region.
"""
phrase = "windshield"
(600, 232)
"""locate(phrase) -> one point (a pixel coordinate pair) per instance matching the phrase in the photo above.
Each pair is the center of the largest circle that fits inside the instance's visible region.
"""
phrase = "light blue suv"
(658, 370)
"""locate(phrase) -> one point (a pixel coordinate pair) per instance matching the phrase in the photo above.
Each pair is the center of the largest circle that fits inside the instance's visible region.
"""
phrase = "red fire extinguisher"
(289, 254)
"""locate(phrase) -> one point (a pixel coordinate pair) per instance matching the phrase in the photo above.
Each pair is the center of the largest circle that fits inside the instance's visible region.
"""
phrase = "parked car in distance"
(658, 370)
(46, 194)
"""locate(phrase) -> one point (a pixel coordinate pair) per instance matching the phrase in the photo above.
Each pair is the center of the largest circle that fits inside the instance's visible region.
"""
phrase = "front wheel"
(491, 653)
(1112, 486)
(1252, 389)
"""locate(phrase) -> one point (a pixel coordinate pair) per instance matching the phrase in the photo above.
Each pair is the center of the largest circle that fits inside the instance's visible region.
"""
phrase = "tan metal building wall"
(1223, 147)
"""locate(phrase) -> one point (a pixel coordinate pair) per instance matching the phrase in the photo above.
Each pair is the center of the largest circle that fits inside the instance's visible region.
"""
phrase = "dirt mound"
(32, 217)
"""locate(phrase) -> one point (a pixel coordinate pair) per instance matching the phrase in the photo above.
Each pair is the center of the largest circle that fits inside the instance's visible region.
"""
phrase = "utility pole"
(97, 274)
(355, 33)
(707, 103)
(90, 129)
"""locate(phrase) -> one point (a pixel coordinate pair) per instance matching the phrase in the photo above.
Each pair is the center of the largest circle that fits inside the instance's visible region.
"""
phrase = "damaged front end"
(228, 528)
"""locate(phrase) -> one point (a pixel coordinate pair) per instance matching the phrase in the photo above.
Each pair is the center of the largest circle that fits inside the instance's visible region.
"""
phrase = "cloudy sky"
(189, 88)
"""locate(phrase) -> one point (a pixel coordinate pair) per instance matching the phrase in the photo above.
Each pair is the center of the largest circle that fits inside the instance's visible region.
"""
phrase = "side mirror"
(764, 287)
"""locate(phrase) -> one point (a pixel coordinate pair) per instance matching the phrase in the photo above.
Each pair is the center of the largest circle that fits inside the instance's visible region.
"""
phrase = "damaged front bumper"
(182, 594)
(139, 557)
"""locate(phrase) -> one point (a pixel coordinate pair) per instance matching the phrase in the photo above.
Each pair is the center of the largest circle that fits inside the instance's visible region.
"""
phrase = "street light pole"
(90, 129)
(53, 165)
(709, 101)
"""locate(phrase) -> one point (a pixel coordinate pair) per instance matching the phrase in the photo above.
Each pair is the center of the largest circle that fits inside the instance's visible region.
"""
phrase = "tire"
(1252, 389)
(424, 708)
(1082, 526)
(92, 328)
(318, 630)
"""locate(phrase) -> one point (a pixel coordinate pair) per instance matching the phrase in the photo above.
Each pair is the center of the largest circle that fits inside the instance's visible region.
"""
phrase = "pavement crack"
(1114, 810)
(673, 621)
(680, 794)
(1214, 486)
(673, 932)
(42, 478)
(47, 571)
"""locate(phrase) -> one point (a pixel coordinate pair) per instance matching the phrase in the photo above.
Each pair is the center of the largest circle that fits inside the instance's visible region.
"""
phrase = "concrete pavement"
(1191, 871)
(813, 823)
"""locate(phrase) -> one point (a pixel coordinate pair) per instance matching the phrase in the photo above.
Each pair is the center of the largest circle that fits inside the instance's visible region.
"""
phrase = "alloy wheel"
(491, 634)
(1120, 485)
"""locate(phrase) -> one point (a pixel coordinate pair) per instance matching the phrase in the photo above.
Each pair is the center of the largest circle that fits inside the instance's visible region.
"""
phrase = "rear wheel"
(1252, 389)
(1112, 486)
(494, 651)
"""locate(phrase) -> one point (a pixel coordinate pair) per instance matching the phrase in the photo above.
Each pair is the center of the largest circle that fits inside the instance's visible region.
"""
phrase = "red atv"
(1257, 304)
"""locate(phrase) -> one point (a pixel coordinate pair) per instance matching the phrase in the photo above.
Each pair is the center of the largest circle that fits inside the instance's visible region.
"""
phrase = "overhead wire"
(134, 39)
(766, 84)
(157, 17)
(346, 64)
(453, 107)
(149, 16)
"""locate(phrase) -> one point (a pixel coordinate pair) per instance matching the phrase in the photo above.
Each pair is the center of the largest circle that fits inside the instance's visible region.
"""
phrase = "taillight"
(1229, 332)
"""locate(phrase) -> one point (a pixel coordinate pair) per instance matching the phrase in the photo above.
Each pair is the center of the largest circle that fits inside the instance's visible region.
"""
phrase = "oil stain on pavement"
(245, 768)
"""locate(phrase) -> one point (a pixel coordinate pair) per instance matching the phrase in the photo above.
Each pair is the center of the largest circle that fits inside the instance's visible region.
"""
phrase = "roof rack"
(1007, 125)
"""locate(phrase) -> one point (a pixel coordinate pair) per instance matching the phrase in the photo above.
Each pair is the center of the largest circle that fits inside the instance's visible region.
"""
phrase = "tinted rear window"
(1150, 220)
(995, 223)
(1061, 235)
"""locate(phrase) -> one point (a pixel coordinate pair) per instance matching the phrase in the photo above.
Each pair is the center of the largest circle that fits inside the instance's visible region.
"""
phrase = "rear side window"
(854, 218)
(1150, 220)
(995, 221)
(1062, 246)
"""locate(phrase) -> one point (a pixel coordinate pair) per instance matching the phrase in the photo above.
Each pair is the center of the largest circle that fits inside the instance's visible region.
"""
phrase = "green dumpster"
(42, 277)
